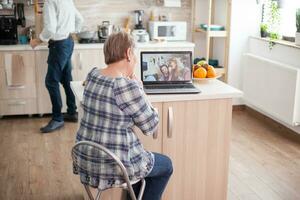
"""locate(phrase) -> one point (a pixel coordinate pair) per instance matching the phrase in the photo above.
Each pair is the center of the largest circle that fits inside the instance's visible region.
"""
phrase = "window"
(287, 26)
(288, 17)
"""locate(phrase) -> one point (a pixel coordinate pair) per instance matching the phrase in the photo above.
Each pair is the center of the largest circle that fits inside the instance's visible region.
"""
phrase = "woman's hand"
(133, 77)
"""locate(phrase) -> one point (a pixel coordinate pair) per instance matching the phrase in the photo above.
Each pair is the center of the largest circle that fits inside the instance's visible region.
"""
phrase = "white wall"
(245, 22)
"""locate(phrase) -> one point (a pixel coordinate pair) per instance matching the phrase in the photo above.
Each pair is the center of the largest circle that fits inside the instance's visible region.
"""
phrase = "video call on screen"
(166, 67)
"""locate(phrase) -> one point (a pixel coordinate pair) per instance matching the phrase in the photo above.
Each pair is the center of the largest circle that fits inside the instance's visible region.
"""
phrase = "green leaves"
(298, 20)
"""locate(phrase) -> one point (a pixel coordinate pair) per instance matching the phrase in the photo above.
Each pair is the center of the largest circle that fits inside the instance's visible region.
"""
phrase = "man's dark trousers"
(60, 71)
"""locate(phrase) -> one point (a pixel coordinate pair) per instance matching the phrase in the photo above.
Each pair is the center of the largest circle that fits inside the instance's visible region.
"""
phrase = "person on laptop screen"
(167, 72)
(173, 68)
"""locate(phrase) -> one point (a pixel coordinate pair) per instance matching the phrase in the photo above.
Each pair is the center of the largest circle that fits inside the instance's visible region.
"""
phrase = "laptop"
(167, 72)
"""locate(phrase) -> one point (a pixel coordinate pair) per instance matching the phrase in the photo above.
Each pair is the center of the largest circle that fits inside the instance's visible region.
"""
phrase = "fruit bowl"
(207, 79)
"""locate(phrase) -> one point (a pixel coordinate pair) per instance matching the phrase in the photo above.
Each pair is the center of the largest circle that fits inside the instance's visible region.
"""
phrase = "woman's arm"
(132, 100)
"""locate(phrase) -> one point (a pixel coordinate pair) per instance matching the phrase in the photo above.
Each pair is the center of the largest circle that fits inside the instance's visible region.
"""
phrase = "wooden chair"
(76, 153)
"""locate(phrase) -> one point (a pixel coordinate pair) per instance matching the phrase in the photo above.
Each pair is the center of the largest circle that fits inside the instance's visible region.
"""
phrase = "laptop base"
(190, 90)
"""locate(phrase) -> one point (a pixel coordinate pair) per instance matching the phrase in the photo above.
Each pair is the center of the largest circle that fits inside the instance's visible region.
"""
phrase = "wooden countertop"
(27, 47)
(213, 89)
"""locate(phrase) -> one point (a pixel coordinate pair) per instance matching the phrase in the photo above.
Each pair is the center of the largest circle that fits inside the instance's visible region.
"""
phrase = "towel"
(15, 70)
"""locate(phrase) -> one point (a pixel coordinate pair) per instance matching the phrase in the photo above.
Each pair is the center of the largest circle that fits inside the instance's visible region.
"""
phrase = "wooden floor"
(264, 163)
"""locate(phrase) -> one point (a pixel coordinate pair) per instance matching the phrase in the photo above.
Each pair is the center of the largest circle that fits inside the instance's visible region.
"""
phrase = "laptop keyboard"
(175, 86)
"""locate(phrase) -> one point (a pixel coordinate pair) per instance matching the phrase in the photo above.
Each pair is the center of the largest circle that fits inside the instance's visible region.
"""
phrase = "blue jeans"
(60, 71)
(157, 179)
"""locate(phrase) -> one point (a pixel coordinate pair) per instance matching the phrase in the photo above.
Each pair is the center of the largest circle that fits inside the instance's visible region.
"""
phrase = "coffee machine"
(139, 33)
(8, 26)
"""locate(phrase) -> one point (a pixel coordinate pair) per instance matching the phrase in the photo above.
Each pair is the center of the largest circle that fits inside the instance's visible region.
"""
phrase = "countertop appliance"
(8, 26)
(139, 19)
(105, 29)
(139, 33)
(168, 30)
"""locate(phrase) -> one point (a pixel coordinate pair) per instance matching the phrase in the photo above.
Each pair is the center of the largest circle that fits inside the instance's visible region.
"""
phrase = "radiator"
(272, 87)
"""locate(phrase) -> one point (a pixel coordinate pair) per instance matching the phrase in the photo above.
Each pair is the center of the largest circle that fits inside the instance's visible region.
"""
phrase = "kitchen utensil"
(21, 15)
(140, 35)
(105, 29)
(139, 19)
(23, 39)
(31, 32)
(87, 35)
(127, 25)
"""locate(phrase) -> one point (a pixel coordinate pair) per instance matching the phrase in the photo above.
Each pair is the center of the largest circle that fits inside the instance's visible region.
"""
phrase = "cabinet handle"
(80, 61)
(17, 103)
(170, 122)
(16, 87)
(155, 134)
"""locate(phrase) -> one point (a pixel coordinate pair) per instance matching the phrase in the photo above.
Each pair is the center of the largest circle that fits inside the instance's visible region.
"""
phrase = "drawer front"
(28, 90)
(18, 107)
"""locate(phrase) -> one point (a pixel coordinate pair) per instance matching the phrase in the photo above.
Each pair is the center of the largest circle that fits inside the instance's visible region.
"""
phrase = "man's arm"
(50, 21)
(78, 21)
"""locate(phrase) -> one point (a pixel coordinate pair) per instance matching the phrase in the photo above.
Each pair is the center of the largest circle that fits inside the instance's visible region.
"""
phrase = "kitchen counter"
(213, 89)
(27, 47)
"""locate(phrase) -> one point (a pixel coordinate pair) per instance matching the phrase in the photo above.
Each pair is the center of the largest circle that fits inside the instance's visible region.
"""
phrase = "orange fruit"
(211, 72)
(200, 73)
(195, 67)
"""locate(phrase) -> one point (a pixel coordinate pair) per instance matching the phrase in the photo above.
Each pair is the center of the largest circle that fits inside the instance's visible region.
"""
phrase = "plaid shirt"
(112, 107)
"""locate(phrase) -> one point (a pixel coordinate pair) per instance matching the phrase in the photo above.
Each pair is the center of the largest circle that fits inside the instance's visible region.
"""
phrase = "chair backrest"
(99, 156)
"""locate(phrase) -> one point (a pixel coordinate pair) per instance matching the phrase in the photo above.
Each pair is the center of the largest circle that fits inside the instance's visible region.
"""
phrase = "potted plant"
(273, 21)
(264, 30)
(297, 39)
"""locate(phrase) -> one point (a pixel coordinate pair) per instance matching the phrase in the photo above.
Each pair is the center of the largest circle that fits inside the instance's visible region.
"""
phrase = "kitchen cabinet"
(153, 143)
(18, 106)
(196, 138)
(17, 83)
(83, 61)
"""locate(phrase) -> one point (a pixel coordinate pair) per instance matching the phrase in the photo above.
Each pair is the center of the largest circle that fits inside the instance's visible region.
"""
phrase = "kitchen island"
(194, 131)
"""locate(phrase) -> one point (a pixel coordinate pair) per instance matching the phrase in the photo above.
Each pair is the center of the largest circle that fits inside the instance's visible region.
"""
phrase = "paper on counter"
(14, 70)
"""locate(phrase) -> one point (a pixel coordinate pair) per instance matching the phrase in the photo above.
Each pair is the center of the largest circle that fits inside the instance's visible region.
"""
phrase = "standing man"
(61, 18)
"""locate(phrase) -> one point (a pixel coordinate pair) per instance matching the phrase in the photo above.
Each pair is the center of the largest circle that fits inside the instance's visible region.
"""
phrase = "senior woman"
(113, 103)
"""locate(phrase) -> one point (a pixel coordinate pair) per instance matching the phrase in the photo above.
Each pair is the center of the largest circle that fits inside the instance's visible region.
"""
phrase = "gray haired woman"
(114, 102)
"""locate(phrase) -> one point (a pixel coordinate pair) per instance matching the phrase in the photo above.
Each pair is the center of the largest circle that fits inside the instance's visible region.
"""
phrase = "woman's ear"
(128, 54)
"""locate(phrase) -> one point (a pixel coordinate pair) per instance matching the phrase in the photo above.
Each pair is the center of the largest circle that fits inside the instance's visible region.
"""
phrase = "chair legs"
(142, 189)
(88, 191)
(98, 195)
(130, 190)
(91, 197)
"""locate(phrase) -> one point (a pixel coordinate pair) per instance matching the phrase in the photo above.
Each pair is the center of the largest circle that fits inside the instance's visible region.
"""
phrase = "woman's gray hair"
(116, 46)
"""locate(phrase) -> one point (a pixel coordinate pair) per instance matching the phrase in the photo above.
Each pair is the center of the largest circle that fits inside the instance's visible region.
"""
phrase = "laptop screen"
(158, 67)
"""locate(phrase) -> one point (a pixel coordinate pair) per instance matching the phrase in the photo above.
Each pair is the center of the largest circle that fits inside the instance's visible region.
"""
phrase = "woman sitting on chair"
(113, 103)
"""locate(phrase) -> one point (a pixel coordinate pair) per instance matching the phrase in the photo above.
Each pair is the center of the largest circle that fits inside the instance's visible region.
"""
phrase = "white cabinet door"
(83, 61)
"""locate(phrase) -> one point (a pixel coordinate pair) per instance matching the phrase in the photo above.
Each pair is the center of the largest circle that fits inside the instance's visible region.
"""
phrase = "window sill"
(281, 42)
